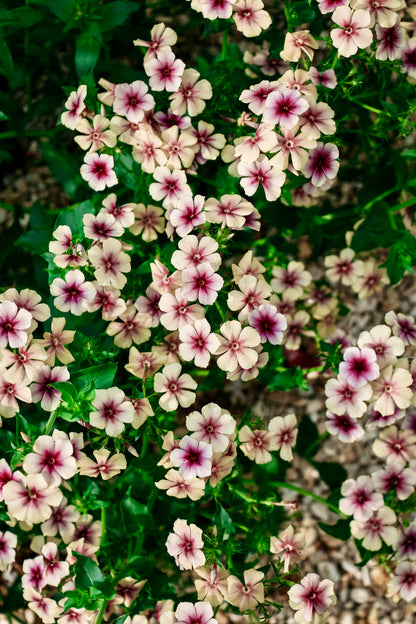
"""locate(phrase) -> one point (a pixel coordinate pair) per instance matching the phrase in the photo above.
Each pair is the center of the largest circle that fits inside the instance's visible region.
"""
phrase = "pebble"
(328, 570)
(347, 618)
(360, 595)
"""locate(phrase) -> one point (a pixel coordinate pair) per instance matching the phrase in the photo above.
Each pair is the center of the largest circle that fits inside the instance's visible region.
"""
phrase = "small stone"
(347, 618)
(360, 595)
(328, 570)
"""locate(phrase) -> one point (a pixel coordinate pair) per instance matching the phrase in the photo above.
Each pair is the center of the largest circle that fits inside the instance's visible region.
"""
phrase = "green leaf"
(88, 574)
(87, 51)
(135, 514)
(216, 26)
(116, 13)
(66, 10)
(401, 258)
(37, 237)
(366, 555)
(223, 521)
(73, 215)
(341, 529)
(68, 390)
(101, 376)
(287, 378)
(409, 153)
(332, 473)
(377, 229)
(3, 116)
(63, 168)
(307, 437)
(299, 13)
(6, 64)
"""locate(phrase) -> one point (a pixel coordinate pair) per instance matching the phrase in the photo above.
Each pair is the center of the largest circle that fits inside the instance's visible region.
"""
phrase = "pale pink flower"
(75, 107)
(342, 267)
(188, 214)
(9, 394)
(212, 585)
(165, 71)
(149, 222)
(61, 521)
(105, 466)
(344, 427)
(391, 42)
(261, 172)
(385, 346)
(176, 388)
(45, 608)
(169, 119)
(403, 581)
(248, 265)
(170, 187)
(161, 38)
(6, 475)
(101, 227)
(311, 597)
(208, 143)
(256, 95)
(212, 425)
(322, 164)
(255, 444)
(67, 253)
(54, 569)
(177, 486)
(179, 146)
(98, 171)
(353, 33)
(13, 325)
(107, 96)
(144, 365)
(185, 544)
(359, 366)
(8, 543)
(376, 528)
(292, 143)
(169, 349)
(192, 457)
(298, 45)
(300, 81)
(42, 390)
(149, 304)
(132, 100)
(214, 9)
(342, 397)
(112, 411)
(194, 251)
(263, 140)
(230, 211)
(201, 283)
(250, 18)
(191, 94)
(317, 120)
(197, 343)
(107, 298)
(110, 263)
(246, 595)
(359, 498)
(283, 107)
(22, 366)
(384, 12)
(395, 446)
(237, 346)
(52, 458)
(132, 327)
(284, 431)
(269, 323)
(327, 6)
(291, 280)
(253, 293)
(199, 613)
(29, 300)
(269, 64)
(403, 326)
(371, 279)
(73, 293)
(392, 388)
(327, 78)
(147, 150)
(405, 545)
(95, 137)
(289, 546)
(395, 477)
(31, 501)
(176, 313)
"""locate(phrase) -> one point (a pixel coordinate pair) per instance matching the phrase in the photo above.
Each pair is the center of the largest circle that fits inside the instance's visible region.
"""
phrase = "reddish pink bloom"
(170, 187)
(201, 283)
(199, 613)
(214, 9)
(188, 214)
(406, 543)
(98, 171)
(322, 164)
(409, 57)
(51, 458)
(197, 343)
(256, 96)
(359, 498)
(43, 391)
(404, 580)
(311, 597)
(34, 573)
(8, 543)
(132, 100)
(165, 71)
(359, 366)
(283, 107)
(344, 427)
(327, 78)
(73, 293)
(13, 325)
(327, 6)
(342, 397)
(112, 411)
(185, 544)
(192, 458)
(101, 227)
(391, 42)
(353, 33)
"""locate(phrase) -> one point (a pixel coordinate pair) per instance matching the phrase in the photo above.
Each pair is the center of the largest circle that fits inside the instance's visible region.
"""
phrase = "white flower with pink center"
(95, 137)
(327, 78)
(162, 37)
(201, 283)
(177, 486)
(403, 326)
(291, 143)
(165, 71)
(176, 313)
(343, 397)
(75, 106)
(255, 444)
(395, 446)
(385, 346)
(185, 544)
(72, 294)
(342, 267)
(359, 498)
(344, 427)
(230, 211)
(359, 366)
(8, 543)
(256, 96)
(291, 280)
(102, 226)
(214, 9)
(192, 457)
(284, 431)
(55, 570)
(191, 94)
(180, 147)
(353, 33)
(198, 613)
(110, 263)
(311, 597)
(170, 187)
(261, 172)
(376, 528)
(98, 171)
(45, 608)
(43, 391)
(13, 325)
(197, 343)
(384, 12)
(194, 251)
(10, 393)
(34, 573)
(112, 411)
(317, 120)
(322, 164)
(188, 214)
(395, 477)
(250, 18)
(327, 6)
(237, 346)
(263, 140)
(392, 388)
(176, 388)
(31, 500)
(246, 595)
(132, 100)
(253, 292)
(283, 107)
(289, 546)
(403, 581)
(61, 520)
(269, 323)
(51, 458)
(147, 150)
(212, 425)
(122, 214)
(391, 42)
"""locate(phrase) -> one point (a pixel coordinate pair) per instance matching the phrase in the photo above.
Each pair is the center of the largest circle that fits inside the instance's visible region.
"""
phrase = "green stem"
(380, 197)
(145, 441)
(51, 422)
(103, 524)
(367, 107)
(334, 62)
(295, 488)
(224, 45)
(21, 134)
(101, 611)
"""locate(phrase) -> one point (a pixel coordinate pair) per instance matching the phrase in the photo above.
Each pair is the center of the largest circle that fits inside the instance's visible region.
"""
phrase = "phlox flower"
(6, 475)
(31, 500)
(327, 6)
(161, 37)
(237, 346)
(208, 143)
(169, 349)
(197, 343)
(170, 187)
(384, 12)
(34, 573)
(256, 95)
(371, 279)
(342, 267)
(201, 283)
(405, 545)
(112, 411)
(395, 477)
(73, 293)
(13, 325)
(132, 327)
(359, 366)
(252, 294)
(55, 570)
(311, 597)
(28, 300)
(403, 326)
(283, 107)
(191, 94)
(42, 390)
(67, 253)
(147, 150)
(188, 214)
(322, 164)
(293, 144)
(211, 586)
(45, 608)
(359, 498)
(132, 100)
(291, 280)
(298, 45)
(246, 374)
(261, 172)
(395, 446)
(248, 265)
(108, 299)
(392, 388)
(22, 366)
(105, 466)
(61, 521)
(199, 613)
(98, 171)
(353, 33)
(284, 431)
(263, 140)
(149, 221)
(269, 65)
(176, 388)
(185, 545)
(95, 137)
(194, 251)
(169, 119)
(327, 78)
(142, 411)
(101, 227)
(177, 486)
(164, 71)
(179, 146)
(403, 581)
(230, 211)
(212, 425)
(246, 595)
(317, 120)
(176, 313)
(300, 81)
(10, 393)
(289, 546)
(214, 9)
(255, 444)
(75, 106)
(107, 96)
(344, 427)
(192, 457)
(391, 42)
(376, 528)
(385, 346)
(149, 304)
(144, 365)
(110, 263)
(222, 464)
(250, 18)
(342, 397)
(295, 329)
(268, 322)
(127, 131)
(52, 458)
(8, 543)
